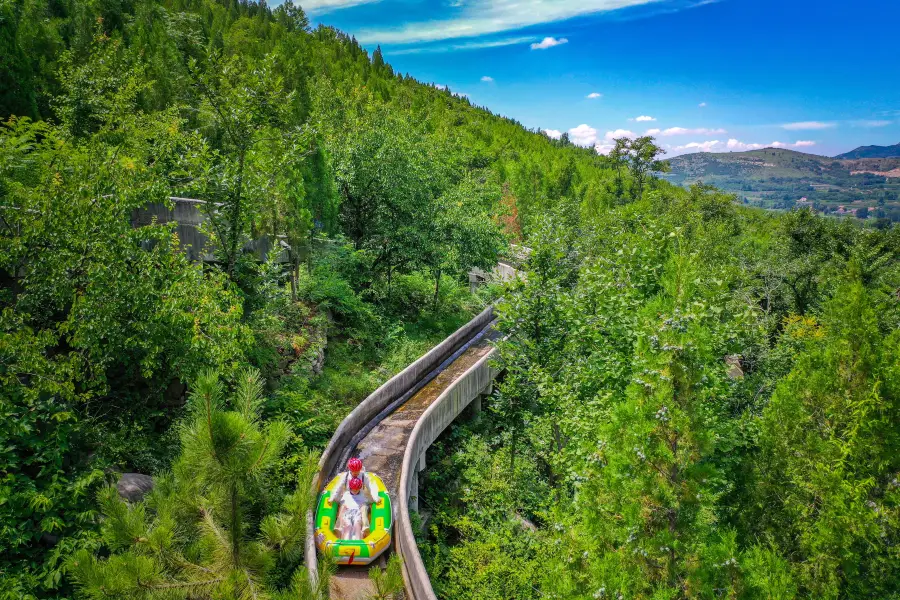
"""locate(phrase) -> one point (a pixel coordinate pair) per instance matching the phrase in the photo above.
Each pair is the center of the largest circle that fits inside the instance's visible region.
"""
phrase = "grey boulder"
(134, 486)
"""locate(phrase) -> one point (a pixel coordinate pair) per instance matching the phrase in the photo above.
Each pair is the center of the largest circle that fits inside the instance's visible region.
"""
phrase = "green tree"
(98, 320)
(389, 182)
(830, 451)
(459, 232)
(244, 104)
(643, 161)
(656, 483)
(17, 85)
(200, 538)
(619, 158)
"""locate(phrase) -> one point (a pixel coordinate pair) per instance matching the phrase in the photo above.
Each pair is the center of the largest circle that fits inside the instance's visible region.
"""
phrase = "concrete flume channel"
(394, 426)
(391, 430)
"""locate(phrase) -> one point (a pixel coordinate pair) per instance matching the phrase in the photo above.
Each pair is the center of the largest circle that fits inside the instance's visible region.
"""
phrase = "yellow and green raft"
(354, 552)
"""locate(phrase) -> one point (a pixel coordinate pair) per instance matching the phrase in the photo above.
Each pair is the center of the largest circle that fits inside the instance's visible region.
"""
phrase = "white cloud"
(318, 7)
(698, 146)
(873, 123)
(619, 133)
(482, 17)
(739, 146)
(553, 133)
(440, 86)
(438, 48)
(797, 144)
(487, 79)
(736, 145)
(594, 95)
(700, 131)
(604, 148)
(548, 42)
(702, 105)
(644, 118)
(802, 125)
(653, 131)
(583, 135)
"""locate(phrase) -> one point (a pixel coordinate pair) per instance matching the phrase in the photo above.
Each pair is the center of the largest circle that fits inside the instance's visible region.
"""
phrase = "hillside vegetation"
(779, 178)
(700, 399)
(385, 190)
(872, 152)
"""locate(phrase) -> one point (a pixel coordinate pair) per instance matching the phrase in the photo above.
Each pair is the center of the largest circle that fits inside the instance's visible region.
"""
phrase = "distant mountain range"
(872, 152)
(779, 178)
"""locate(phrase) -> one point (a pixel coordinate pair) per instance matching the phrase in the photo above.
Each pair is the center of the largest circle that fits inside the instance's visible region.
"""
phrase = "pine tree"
(197, 535)
(830, 447)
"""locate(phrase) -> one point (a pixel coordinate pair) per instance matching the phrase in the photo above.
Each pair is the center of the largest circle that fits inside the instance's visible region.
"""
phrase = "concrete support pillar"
(414, 492)
(421, 465)
(473, 411)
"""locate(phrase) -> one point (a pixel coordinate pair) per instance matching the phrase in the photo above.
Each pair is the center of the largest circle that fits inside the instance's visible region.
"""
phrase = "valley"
(777, 178)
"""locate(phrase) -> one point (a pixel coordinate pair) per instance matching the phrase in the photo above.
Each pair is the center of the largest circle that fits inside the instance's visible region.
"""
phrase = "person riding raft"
(355, 492)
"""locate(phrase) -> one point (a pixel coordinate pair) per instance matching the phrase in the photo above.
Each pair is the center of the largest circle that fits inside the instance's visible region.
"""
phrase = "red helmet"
(355, 484)
(354, 464)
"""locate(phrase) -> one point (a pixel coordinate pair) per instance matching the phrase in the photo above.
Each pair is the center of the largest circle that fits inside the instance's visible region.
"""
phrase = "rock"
(175, 394)
(319, 361)
(734, 366)
(524, 523)
(134, 486)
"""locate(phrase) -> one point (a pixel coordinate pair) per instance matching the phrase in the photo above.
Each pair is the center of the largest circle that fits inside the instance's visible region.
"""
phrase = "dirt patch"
(894, 173)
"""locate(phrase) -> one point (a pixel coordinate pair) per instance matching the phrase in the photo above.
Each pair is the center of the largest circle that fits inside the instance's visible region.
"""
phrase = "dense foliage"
(201, 530)
(381, 192)
(700, 401)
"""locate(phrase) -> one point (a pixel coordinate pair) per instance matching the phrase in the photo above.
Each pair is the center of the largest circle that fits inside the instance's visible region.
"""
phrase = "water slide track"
(379, 431)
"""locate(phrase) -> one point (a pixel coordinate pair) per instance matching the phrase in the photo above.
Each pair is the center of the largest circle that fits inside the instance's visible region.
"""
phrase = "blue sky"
(819, 76)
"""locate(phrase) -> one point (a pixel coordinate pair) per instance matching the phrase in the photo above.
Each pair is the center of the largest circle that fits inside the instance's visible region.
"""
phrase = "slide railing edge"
(369, 408)
(433, 421)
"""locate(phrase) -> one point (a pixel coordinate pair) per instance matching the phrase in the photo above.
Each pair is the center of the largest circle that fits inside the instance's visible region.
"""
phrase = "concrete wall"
(189, 218)
(377, 401)
(436, 418)
(452, 401)
(504, 271)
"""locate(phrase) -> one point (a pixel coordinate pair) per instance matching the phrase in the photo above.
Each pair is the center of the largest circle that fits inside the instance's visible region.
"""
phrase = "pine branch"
(250, 585)
(261, 455)
(181, 584)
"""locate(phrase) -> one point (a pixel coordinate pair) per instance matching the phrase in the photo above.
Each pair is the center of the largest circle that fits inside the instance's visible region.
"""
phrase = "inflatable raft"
(354, 552)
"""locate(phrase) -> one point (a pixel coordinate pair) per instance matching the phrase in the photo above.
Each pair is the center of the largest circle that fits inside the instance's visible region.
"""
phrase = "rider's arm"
(371, 489)
(338, 492)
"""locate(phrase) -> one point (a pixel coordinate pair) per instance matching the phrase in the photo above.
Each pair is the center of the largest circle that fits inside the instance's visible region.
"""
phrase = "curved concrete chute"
(391, 430)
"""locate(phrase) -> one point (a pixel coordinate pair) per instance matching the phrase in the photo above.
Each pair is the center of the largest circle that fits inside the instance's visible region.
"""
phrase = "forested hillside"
(117, 352)
(700, 400)
(868, 188)
(872, 152)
